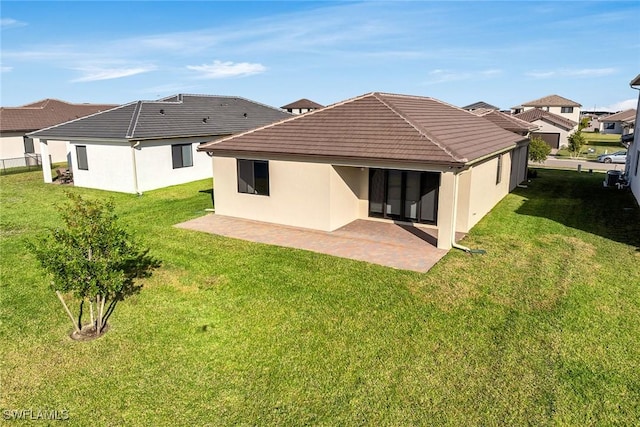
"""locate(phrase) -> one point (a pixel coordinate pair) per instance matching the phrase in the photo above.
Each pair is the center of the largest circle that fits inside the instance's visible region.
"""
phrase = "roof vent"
(205, 119)
(162, 111)
(245, 115)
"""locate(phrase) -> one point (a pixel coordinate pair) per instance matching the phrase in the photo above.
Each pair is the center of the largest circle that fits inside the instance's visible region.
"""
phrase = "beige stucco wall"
(12, 146)
(478, 185)
(308, 195)
(519, 161)
(110, 166)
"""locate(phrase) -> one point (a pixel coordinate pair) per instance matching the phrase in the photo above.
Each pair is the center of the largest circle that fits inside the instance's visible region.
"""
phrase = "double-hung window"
(181, 155)
(253, 177)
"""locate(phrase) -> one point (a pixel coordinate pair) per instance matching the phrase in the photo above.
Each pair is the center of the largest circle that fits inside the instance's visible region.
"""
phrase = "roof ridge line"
(134, 120)
(449, 152)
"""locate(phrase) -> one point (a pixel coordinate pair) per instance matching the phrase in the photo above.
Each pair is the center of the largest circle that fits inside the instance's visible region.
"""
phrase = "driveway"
(393, 245)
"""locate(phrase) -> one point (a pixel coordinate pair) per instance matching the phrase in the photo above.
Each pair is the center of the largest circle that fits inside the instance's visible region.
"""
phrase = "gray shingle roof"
(538, 114)
(378, 126)
(172, 117)
(478, 105)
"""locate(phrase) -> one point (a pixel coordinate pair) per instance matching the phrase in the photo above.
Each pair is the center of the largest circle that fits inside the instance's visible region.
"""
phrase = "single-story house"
(17, 122)
(301, 106)
(632, 168)
(146, 145)
(552, 128)
(379, 156)
(620, 123)
(554, 104)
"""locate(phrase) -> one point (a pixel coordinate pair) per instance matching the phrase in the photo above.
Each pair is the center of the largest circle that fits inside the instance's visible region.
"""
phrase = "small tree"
(576, 142)
(538, 150)
(93, 258)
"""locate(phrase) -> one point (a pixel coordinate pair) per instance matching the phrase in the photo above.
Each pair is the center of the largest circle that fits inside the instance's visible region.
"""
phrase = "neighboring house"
(380, 156)
(552, 128)
(554, 104)
(480, 105)
(146, 145)
(507, 121)
(621, 123)
(301, 106)
(16, 122)
(632, 169)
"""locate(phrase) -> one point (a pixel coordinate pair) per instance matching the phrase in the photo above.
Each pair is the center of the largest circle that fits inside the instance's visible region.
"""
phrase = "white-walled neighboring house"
(382, 157)
(16, 122)
(554, 104)
(632, 169)
(301, 106)
(146, 145)
(552, 128)
(620, 123)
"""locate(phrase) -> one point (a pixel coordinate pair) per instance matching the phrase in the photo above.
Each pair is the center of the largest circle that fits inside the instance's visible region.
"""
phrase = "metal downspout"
(135, 168)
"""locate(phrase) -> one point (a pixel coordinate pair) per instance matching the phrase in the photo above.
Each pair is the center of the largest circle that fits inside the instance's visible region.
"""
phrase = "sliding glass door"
(404, 195)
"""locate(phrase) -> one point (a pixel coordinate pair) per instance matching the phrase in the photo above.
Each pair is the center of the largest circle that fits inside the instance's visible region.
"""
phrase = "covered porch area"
(397, 245)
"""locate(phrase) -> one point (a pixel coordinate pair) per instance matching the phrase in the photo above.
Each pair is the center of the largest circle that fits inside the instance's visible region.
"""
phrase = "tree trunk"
(91, 312)
(66, 308)
(102, 303)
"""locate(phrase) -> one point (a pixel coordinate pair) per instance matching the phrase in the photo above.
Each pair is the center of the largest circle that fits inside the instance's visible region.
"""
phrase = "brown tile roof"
(378, 126)
(538, 114)
(628, 116)
(506, 121)
(302, 103)
(45, 113)
(551, 101)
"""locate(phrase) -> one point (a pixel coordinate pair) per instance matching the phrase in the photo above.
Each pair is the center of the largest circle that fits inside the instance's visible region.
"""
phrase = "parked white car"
(617, 157)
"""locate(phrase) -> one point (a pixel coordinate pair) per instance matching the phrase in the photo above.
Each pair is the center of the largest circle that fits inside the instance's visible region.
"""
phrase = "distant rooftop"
(303, 104)
(627, 116)
(551, 101)
(538, 114)
(479, 105)
(44, 113)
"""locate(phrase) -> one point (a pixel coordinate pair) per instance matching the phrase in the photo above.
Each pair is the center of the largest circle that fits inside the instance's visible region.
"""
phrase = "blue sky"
(460, 52)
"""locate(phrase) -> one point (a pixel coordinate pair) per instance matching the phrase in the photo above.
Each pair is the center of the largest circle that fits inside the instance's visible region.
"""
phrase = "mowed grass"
(542, 330)
(596, 144)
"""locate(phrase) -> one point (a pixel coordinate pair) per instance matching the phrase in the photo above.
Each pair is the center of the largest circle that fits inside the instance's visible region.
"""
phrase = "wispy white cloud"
(11, 23)
(444, 76)
(221, 70)
(94, 73)
(627, 104)
(4, 69)
(566, 72)
(167, 89)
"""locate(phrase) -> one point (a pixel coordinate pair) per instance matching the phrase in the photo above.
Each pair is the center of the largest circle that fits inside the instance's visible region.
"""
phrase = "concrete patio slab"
(393, 245)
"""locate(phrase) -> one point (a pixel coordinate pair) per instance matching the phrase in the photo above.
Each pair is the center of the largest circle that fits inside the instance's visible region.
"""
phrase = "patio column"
(446, 209)
(46, 164)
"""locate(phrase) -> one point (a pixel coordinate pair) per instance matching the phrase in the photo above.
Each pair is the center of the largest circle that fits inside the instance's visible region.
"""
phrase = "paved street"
(554, 163)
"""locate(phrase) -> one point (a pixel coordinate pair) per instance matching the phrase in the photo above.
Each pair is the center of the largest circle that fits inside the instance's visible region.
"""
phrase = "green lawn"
(596, 144)
(542, 330)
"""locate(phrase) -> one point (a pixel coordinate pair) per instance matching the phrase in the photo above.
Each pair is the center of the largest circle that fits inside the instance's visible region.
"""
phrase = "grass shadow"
(583, 203)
